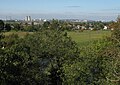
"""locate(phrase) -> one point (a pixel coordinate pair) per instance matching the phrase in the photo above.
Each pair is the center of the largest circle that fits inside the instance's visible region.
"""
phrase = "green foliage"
(98, 63)
(10, 40)
(1, 25)
(1, 38)
(28, 28)
(37, 59)
(7, 27)
(16, 26)
(114, 76)
(89, 68)
(57, 25)
(54, 49)
(46, 24)
(115, 36)
(31, 28)
(15, 63)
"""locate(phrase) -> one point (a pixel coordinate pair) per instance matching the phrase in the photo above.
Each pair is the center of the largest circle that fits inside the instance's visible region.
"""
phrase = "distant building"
(78, 27)
(44, 20)
(28, 18)
(105, 28)
(84, 20)
(91, 28)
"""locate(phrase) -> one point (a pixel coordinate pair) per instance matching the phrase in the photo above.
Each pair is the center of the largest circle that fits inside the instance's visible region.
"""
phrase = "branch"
(116, 39)
(113, 80)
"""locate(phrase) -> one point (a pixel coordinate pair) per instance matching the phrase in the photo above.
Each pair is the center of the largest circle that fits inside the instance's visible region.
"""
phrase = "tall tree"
(7, 27)
(1, 25)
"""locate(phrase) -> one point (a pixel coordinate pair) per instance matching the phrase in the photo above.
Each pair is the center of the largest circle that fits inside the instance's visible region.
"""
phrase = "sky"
(60, 9)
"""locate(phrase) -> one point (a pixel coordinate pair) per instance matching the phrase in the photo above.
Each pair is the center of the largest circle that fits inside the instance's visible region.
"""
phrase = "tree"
(7, 27)
(39, 58)
(101, 26)
(115, 25)
(1, 25)
(55, 50)
(1, 41)
(89, 68)
(46, 24)
(112, 55)
(16, 26)
(54, 24)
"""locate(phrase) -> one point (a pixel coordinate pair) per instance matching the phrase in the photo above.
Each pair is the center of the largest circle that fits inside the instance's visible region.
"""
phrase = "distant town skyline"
(60, 9)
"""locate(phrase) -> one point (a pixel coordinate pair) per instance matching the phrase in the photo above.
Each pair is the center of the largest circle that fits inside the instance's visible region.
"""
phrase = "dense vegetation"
(50, 57)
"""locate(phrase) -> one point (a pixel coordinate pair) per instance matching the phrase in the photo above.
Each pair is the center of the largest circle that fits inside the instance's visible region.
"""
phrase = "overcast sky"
(61, 9)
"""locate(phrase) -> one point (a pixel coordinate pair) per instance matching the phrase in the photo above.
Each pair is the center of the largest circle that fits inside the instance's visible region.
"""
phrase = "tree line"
(54, 24)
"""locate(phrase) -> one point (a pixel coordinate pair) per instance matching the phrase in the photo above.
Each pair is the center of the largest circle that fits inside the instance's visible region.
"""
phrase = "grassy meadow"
(85, 37)
(81, 38)
(19, 33)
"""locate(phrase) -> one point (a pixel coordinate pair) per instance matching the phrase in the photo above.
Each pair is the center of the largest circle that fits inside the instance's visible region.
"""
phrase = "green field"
(81, 38)
(20, 34)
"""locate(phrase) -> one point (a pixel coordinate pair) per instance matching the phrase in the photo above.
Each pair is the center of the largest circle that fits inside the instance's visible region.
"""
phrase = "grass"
(85, 37)
(20, 34)
(81, 38)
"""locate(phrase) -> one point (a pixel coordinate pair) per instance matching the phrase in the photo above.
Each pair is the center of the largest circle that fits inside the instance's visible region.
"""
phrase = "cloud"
(73, 6)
